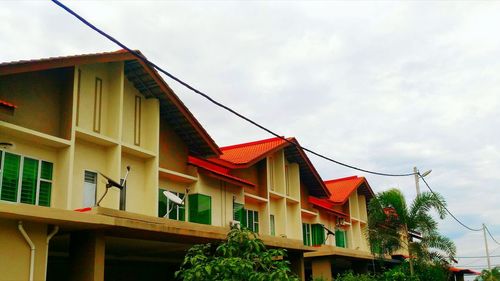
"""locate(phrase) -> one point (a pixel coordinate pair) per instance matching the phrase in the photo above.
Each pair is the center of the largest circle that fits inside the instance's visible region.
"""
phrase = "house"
(89, 146)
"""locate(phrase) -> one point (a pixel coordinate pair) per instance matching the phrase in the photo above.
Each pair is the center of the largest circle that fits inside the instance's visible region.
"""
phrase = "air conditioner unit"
(235, 224)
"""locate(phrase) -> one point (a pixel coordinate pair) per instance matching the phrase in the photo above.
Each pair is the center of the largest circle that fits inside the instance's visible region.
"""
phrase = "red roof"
(341, 189)
(326, 205)
(464, 271)
(218, 171)
(7, 104)
(246, 154)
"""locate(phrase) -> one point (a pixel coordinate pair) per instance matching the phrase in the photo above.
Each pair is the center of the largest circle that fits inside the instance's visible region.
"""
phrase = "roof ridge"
(342, 179)
(239, 145)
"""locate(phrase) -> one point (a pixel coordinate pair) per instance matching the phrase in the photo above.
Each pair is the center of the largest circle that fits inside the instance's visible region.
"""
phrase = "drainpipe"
(51, 234)
(32, 247)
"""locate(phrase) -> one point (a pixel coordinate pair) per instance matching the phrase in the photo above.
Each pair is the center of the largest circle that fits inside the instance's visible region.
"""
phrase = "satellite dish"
(174, 198)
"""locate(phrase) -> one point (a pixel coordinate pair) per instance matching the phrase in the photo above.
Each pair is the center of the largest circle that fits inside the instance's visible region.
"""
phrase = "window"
(169, 209)
(238, 212)
(25, 180)
(273, 225)
(340, 238)
(200, 208)
(252, 220)
(313, 234)
(89, 189)
(306, 234)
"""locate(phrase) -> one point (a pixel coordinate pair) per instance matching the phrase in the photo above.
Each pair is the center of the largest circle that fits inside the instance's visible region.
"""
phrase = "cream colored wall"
(222, 194)
(173, 152)
(149, 127)
(111, 75)
(15, 257)
(42, 99)
(95, 158)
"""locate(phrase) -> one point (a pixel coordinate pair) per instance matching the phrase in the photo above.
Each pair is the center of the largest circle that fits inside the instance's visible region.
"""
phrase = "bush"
(242, 257)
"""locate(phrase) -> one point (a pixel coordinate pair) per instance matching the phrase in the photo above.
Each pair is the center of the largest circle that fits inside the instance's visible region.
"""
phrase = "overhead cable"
(219, 104)
(448, 211)
(487, 230)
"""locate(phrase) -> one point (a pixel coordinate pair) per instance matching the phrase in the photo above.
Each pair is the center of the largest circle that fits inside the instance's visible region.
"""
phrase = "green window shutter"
(340, 239)
(46, 172)
(318, 234)
(10, 177)
(45, 193)
(250, 220)
(256, 221)
(304, 233)
(162, 204)
(29, 180)
(238, 212)
(200, 208)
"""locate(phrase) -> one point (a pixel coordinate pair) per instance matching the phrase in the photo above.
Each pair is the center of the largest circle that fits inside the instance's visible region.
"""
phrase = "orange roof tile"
(247, 153)
(218, 171)
(341, 189)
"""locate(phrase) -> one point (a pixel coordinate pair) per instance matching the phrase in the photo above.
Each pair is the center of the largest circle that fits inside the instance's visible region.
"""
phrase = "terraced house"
(90, 144)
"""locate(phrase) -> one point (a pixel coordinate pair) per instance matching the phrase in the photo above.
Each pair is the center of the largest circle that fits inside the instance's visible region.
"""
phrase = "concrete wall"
(15, 257)
(43, 100)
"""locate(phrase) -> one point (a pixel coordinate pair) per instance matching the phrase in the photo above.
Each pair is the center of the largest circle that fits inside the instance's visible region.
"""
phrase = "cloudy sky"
(382, 85)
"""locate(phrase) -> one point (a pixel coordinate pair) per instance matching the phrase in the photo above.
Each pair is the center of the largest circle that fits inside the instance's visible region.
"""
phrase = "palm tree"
(489, 275)
(392, 225)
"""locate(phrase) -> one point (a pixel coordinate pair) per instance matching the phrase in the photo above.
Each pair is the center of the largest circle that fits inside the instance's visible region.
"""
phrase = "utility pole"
(486, 246)
(417, 184)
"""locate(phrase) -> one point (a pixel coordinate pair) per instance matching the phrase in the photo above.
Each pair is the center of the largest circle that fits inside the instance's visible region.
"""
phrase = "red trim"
(7, 104)
(464, 271)
(326, 205)
(82, 210)
(218, 172)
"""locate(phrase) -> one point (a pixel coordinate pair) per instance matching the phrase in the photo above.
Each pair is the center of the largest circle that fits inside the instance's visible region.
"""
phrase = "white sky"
(381, 85)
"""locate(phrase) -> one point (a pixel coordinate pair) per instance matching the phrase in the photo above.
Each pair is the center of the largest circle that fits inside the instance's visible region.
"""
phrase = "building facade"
(68, 124)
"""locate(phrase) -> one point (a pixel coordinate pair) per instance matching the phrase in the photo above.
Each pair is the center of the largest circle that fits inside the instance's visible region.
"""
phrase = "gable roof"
(147, 81)
(217, 171)
(342, 188)
(244, 155)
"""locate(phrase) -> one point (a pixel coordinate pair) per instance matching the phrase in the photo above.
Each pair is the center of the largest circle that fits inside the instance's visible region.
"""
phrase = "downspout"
(51, 234)
(32, 247)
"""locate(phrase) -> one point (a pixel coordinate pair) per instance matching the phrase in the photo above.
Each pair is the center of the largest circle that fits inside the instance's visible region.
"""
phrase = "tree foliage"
(487, 275)
(242, 257)
(388, 231)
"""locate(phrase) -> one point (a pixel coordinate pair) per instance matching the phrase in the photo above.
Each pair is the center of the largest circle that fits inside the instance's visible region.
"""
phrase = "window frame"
(254, 223)
(96, 184)
(39, 178)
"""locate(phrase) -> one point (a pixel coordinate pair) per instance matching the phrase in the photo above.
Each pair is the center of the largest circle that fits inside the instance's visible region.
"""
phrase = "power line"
(219, 104)
(448, 211)
(487, 230)
(478, 257)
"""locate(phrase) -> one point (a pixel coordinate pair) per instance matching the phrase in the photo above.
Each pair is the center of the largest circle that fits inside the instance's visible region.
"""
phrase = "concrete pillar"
(87, 253)
(297, 264)
(322, 268)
